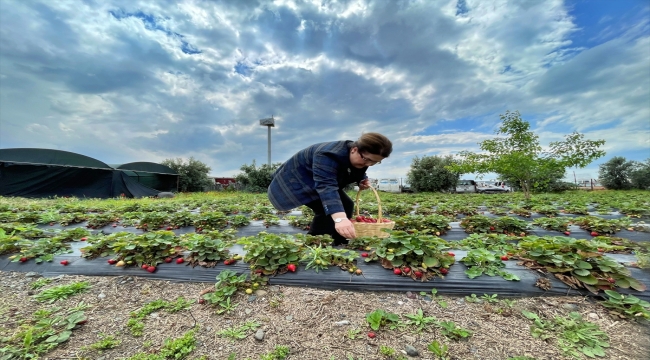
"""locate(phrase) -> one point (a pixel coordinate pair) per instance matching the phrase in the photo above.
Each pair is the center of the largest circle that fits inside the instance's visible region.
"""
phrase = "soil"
(304, 320)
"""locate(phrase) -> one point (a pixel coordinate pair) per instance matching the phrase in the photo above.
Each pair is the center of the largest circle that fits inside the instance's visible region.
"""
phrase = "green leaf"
(583, 264)
(581, 272)
(589, 280)
(613, 294)
(431, 261)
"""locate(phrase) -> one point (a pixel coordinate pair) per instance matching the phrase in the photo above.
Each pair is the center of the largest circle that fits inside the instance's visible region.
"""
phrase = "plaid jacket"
(317, 172)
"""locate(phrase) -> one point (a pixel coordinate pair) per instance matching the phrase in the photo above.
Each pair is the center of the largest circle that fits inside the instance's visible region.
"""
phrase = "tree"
(516, 154)
(193, 174)
(616, 173)
(641, 175)
(256, 179)
(429, 173)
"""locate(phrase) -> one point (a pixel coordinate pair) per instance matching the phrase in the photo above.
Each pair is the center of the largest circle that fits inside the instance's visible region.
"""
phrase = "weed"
(490, 298)
(279, 353)
(386, 350)
(353, 333)
(573, 335)
(107, 342)
(136, 324)
(172, 349)
(419, 320)
(241, 332)
(439, 349)
(62, 292)
(40, 283)
(379, 318)
(453, 331)
(473, 299)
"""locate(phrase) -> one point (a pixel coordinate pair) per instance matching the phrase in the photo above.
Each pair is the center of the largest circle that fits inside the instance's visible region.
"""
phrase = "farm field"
(484, 275)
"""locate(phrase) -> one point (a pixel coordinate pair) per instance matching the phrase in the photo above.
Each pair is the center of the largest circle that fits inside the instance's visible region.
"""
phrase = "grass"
(62, 292)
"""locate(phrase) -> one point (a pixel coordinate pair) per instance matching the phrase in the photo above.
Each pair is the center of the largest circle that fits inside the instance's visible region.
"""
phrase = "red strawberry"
(505, 258)
(611, 280)
(359, 218)
(601, 250)
(112, 261)
(227, 262)
(151, 269)
(593, 233)
(23, 259)
(491, 228)
(372, 335)
(451, 254)
(169, 228)
(144, 266)
(291, 267)
(259, 271)
(418, 274)
(114, 225)
(406, 270)
(52, 224)
(567, 233)
(64, 262)
(364, 254)
(168, 260)
(180, 260)
(83, 239)
(201, 301)
(444, 271)
(397, 271)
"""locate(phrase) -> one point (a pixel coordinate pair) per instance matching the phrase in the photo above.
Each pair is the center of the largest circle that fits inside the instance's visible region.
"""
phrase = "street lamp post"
(269, 123)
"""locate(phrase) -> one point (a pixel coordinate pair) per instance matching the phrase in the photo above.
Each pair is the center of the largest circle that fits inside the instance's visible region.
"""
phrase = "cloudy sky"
(134, 80)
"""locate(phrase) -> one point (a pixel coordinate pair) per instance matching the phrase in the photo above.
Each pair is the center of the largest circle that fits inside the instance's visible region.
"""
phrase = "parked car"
(492, 187)
(466, 186)
(389, 185)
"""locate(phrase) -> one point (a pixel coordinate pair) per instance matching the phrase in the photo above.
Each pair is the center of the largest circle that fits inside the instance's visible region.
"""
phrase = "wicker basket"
(372, 229)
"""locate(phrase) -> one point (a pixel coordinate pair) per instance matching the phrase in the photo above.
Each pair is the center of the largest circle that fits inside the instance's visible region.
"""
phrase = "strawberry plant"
(636, 210)
(576, 263)
(601, 226)
(500, 243)
(42, 250)
(180, 219)
(206, 250)
(379, 318)
(72, 218)
(452, 331)
(152, 220)
(259, 212)
(101, 245)
(520, 211)
(314, 240)
(498, 210)
(62, 292)
(214, 220)
(49, 217)
(301, 222)
(557, 224)
(423, 255)
(238, 221)
(397, 209)
(39, 334)
(576, 209)
(71, 234)
(319, 257)
(477, 224)
(364, 243)
(481, 261)
(547, 210)
(419, 320)
(574, 336)
(436, 224)
(270, 252)
(270, 219)
(227, 284)
(149, 248)
(626, 306)
(10, 243)
(96, 221)
(511, 225)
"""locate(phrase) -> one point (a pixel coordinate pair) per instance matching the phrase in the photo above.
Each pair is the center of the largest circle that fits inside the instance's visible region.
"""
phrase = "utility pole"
(269, 123)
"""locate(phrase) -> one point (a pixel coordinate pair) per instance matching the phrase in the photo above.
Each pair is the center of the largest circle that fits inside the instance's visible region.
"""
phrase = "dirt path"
(304, 319)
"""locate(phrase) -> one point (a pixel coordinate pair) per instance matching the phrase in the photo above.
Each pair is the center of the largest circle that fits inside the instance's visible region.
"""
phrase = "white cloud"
(144, 80)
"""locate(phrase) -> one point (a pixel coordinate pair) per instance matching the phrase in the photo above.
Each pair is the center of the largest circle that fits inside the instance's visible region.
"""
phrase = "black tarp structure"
(30, 172)
(155, 176)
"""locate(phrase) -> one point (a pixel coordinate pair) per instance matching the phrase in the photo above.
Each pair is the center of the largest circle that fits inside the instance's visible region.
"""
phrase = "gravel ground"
(313, 323)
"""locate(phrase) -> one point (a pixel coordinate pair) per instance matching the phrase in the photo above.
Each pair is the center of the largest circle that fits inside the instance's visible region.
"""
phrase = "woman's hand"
(364, 184)
(344, 227)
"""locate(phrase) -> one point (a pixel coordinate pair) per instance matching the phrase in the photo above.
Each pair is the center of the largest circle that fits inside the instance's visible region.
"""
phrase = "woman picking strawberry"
(316, 176)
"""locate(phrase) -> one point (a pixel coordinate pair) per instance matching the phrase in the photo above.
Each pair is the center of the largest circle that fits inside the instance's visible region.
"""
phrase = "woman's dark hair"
(374, 143)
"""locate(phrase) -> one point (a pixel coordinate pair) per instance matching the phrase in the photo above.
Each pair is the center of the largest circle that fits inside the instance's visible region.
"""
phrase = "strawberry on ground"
(291, 267)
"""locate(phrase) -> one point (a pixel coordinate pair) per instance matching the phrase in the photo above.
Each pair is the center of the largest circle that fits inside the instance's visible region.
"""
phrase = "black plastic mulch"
(375, 278)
